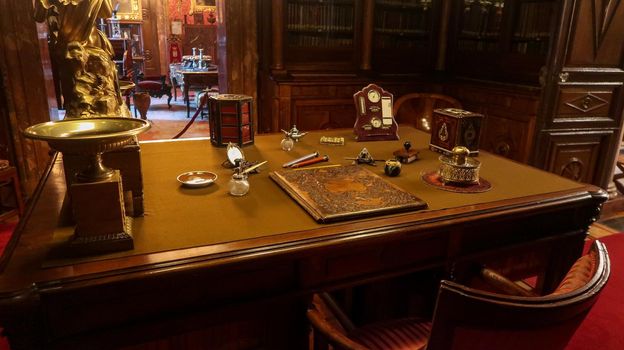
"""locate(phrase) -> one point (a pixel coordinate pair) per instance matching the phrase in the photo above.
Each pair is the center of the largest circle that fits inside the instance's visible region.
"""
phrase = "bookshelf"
(402, 24)
(132, 41)
(403, 32)
(502, 39)
(532, 27)
(547, 77)
(320, 31)
(326, 24)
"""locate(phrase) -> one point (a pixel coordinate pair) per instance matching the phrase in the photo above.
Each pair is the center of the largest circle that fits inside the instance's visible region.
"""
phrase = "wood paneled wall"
(25, 88)
(237, 43)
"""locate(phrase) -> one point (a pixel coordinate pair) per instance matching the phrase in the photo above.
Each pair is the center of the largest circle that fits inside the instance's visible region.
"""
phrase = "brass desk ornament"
(101, 225)
(459, 168)
(290, 137)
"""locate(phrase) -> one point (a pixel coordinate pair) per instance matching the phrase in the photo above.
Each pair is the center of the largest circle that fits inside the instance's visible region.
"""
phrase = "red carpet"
(602, 328)
(6, 229)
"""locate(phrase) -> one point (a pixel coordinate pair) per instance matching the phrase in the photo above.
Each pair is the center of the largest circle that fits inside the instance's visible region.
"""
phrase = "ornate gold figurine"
(84, 57)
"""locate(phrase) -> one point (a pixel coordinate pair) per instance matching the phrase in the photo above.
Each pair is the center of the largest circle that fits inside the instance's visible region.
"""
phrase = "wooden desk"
(197, 80)
(210, 268)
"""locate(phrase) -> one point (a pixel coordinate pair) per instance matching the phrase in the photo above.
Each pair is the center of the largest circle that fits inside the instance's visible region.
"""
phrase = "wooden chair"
(467, 318)
(174, 78)
(417, 108)
(155, 86)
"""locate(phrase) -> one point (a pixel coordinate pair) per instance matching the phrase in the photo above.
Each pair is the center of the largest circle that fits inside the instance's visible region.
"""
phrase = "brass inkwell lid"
(459, 168)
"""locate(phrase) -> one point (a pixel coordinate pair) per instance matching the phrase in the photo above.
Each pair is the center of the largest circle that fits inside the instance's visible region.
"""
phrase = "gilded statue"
(84, 55)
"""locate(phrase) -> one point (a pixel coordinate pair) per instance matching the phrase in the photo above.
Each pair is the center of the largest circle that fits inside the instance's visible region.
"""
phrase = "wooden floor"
(598, 230)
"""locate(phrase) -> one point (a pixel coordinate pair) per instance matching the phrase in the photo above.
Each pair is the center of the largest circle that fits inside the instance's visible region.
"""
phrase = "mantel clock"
(375, 121)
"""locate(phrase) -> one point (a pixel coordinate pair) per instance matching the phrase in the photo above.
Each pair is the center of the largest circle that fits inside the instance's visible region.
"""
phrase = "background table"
(197, 80)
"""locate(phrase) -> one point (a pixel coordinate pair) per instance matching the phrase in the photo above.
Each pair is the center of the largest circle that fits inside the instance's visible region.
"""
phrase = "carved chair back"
(417, 108)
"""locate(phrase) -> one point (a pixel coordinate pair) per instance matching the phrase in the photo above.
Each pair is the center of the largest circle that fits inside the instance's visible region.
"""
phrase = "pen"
(311, 161)
(254, 167)
(300, 159)
(317, 167)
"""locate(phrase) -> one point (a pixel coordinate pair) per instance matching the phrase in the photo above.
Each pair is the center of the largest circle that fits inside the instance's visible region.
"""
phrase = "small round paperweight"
(392, 167)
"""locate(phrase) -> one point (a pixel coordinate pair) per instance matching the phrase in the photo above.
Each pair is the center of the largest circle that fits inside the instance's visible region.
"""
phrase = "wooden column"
(237, 46)
(440, 64)
(25, 88)
(149, 31)
(278, 35)
(367, 34)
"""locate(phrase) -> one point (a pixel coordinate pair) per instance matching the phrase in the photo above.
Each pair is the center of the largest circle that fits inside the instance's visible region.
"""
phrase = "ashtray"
(197, 178)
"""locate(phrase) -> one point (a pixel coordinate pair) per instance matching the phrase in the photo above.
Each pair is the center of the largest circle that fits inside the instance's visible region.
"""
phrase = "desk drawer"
(360, 262)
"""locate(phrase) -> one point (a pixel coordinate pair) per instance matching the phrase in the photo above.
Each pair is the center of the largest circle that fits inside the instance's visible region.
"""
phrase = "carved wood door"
(581, 117)
(151, 53)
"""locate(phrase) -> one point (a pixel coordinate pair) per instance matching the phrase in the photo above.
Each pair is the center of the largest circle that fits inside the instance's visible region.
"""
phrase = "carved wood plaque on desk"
(344, 192)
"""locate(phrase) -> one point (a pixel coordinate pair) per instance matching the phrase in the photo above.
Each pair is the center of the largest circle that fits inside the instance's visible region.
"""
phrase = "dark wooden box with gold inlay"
(452, 127)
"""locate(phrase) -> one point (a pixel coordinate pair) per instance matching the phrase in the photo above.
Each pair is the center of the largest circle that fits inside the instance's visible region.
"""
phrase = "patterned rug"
(166, 129)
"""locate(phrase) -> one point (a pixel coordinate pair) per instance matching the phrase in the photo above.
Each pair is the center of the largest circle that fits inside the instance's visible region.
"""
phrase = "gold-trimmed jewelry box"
(451, 127)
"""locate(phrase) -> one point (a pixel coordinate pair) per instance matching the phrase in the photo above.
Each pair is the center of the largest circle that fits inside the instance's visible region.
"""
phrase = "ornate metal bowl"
(89, 137)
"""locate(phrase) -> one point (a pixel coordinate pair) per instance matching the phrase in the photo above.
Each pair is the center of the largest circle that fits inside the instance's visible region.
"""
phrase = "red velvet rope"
(201, 106)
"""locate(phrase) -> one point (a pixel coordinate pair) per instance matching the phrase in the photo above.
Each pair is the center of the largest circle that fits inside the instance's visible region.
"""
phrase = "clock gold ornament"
(375, 121)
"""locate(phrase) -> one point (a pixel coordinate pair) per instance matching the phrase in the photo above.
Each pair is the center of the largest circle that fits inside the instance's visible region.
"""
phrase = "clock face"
(374, 96)
(375, 122)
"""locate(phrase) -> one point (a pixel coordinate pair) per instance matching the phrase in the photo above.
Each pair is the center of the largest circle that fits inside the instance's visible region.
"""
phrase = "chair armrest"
(503, 284)
(334, 336)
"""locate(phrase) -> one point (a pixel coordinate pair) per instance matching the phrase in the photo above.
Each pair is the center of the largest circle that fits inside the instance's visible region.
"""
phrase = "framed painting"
(202, 5)
(129, 10)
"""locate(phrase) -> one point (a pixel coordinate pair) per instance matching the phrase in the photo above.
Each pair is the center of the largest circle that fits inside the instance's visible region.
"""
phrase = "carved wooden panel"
(25, 97)
(323, 114)
(150, 40)
(579, 156)
(506, 137)
(509, 121)
(318, 104)
(597, 34)
(584, 105)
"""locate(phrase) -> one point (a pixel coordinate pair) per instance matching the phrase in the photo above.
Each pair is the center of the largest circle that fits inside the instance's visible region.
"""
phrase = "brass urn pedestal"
(101, 222)
(97, 195)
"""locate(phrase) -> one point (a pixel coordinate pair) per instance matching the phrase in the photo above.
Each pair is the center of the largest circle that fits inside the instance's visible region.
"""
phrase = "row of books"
(534, 19)
(402, 21)
(406, 4)
(482, 18)
(401, 32)
(394, 42)
(319, 17)
(477, 45)
(536, 46)
(318, 41)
